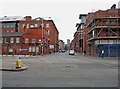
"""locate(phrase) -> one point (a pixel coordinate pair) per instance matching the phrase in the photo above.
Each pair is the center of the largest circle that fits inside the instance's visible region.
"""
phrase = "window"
(33, 40)
(93, 33)
(12, 40)
(30, 49)
(113, 21)
(6, 40)
(1, 40)
(7, 26)
(33, 49)
(10, 50)
(11, 26)
(17, 40)
(23, 26)
(26, 40)
(31, 26)
(36, 25)
(37, 49)
(47, 25)
(48, 32)
(27, 25)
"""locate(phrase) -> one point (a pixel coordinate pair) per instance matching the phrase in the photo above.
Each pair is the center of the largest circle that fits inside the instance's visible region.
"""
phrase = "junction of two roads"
(62, 70)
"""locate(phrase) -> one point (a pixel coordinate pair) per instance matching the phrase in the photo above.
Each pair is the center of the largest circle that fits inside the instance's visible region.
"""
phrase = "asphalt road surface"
(63, 70)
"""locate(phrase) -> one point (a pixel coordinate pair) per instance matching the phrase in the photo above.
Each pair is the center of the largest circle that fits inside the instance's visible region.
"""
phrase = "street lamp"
(43, 33)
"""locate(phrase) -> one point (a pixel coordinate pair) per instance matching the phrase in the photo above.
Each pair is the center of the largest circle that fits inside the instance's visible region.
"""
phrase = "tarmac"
(8, 63)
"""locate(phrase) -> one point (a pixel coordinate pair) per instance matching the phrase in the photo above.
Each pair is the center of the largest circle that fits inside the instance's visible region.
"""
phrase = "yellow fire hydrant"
(18, 63)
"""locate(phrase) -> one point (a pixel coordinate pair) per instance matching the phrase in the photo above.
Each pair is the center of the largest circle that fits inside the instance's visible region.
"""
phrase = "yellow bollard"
(18, 63)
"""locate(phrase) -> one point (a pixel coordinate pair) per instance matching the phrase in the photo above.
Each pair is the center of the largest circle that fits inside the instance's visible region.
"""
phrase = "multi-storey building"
(103, 32)
(99, 31)
(37, 33)
(77, 43)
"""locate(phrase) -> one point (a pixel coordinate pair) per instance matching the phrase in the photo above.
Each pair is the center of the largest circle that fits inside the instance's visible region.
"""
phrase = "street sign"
(24, 49)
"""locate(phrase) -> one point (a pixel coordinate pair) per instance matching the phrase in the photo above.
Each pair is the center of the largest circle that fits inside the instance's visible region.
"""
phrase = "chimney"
(28, 18)
(113, 6)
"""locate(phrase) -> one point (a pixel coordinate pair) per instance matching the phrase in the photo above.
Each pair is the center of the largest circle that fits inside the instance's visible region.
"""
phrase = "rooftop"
(11, 18)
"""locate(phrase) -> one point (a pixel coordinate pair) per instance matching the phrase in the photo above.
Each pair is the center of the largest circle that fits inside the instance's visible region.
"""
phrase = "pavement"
(8, 63)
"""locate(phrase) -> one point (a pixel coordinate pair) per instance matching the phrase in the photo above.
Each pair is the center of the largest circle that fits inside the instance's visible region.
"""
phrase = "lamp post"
(43, 34)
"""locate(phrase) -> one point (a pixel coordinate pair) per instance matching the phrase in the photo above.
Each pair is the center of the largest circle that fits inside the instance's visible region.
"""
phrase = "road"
(63, 70)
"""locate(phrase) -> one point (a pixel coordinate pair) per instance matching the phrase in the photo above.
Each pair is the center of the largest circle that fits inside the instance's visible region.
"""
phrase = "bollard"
(18, 63)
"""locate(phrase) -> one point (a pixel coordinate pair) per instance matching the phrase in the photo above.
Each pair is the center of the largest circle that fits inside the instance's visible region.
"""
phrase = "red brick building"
(35, 33)
(78, 42)
(11, 43)
(101, 31)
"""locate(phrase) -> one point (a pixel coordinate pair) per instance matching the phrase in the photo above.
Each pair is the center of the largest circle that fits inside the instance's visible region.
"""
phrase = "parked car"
(71, 52)
(63, 51)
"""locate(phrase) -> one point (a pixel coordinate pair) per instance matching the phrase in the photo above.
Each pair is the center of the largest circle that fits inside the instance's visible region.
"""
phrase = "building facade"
(11, 43)
(100, 31)
(38, 35)
(78, 41)
(103, 32)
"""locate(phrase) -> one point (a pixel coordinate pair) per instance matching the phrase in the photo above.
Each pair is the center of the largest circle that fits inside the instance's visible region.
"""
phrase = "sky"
(64, 13)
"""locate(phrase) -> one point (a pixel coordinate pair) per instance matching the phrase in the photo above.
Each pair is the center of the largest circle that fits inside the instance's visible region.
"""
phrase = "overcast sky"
(65, 13)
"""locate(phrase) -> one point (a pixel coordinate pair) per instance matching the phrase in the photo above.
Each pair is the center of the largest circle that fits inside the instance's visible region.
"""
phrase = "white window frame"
(48, 32)
(34, 41)
(26, 40)
(32, 26)
(36, 25)
(47, 25)
(33, 49)
(17, 40)
(11, 40)
(37, 49)
(11, 26)
(10, 50)
(30, 48)
(27, 25)
(23, 25)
